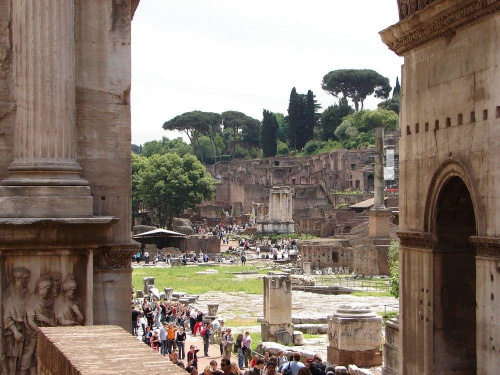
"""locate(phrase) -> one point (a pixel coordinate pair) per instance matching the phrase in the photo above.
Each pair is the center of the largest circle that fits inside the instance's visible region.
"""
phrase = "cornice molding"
(435, 19)
(418, 240)
(487, 247)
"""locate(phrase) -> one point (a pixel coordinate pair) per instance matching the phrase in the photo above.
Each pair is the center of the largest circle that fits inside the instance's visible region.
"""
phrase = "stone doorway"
(454, 277)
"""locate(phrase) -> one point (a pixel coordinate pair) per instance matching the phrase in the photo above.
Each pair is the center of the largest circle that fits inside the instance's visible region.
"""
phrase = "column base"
(45, 201)
(379, 223)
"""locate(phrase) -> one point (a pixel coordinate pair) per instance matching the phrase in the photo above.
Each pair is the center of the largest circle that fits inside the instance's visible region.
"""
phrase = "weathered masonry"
(449, 185)
(65, 183)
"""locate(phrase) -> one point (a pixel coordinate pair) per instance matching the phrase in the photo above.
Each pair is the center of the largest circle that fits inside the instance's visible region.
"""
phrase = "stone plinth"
(355, 336)
(391, 347)
(148, 282)
(213, 308)
(306, 267)
(82, 351)
(379, 223)
(277, 325)
(168, 293)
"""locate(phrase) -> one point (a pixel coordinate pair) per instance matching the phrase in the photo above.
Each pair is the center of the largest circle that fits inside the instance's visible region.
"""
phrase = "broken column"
(355, 336)
(168, 293)
(277, 325)
(379, 216)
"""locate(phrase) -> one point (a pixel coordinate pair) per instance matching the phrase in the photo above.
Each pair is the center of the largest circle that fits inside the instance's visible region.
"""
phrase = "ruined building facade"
(320, 185)
(449, 200)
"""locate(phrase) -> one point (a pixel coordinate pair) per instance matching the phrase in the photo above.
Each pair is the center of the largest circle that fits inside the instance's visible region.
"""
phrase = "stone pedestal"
(306, 267)
(379, 223)
(147, 283)
(277, 325)
(355, 336)
(279, 218)
(168, 293)
(213, 308)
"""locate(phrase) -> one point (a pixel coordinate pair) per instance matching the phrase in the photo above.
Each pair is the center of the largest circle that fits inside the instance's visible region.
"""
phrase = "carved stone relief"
(52, 303)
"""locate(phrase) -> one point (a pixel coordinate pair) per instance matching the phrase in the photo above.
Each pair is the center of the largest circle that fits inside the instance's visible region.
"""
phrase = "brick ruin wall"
(317, 182)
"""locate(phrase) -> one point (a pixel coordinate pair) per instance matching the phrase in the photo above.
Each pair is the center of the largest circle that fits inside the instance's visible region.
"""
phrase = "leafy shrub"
(394, 268)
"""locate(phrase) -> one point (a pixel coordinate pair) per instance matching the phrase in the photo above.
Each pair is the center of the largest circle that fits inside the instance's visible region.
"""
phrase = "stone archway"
(454, 279)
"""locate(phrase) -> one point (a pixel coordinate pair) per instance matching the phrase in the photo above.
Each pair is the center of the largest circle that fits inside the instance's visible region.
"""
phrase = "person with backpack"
(292, 367)
(206, 331)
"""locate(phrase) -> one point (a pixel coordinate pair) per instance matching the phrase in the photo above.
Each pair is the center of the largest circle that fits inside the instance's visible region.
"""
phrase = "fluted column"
(44, 136)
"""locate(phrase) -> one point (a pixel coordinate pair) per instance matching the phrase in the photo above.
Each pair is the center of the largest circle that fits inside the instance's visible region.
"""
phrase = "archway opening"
(370, 183)
(454, 281)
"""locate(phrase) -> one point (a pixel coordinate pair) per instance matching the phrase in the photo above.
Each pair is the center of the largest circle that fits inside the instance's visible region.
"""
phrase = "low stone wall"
(97, 350)
(208, 244)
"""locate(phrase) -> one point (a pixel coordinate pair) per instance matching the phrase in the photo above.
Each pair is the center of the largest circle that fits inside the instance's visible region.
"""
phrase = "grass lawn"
(185, 279)
(256, 339)
(313, 336)
(371, 294)
(242, 322)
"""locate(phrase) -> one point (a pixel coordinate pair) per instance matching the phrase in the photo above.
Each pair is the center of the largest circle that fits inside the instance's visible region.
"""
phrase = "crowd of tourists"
(164, 326)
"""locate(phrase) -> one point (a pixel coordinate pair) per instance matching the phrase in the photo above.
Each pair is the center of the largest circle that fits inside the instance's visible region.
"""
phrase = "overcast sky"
(219, 55)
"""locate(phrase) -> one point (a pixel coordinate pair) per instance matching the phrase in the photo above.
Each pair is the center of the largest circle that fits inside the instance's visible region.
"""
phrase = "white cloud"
(218, 55)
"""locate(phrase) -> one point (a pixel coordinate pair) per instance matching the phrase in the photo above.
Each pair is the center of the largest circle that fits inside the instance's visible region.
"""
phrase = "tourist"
(319, 365)
(135, 319)
(295, 365)
(199, 322)
(220, 333)
(282, 359)
(180, 340)
(192, 319)
(213, 368)
(143, 322)
(207, 371)
(271, 368)
(257, 369)
(243, 259)
(247, 347)
(146, 257)
(174, 357)
(163, 339)
(240, 350)
(254, 360)
(234, 369)
(227, 343)
(149, 314)
(147, 336)
(205, 333)
(225, 365)
(155, 341)
(171, 331)
(192, 356)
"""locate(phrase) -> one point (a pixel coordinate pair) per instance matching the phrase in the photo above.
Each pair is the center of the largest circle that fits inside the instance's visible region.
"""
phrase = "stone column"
(379, 170)
(44, 177)
(277, 325)
(379, 216)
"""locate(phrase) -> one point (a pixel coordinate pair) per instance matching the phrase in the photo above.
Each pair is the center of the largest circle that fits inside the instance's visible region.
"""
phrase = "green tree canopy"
(356, 84)
(269, 130)
(166, 145)
(358, 129)
(169, 184)
(332, 117)
(243, 127)
(195, 124)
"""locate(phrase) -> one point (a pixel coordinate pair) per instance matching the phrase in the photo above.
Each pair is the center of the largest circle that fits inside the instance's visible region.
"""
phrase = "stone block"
(298, 338)
(81, 350)
(355, 336)
(340, 370)
(284, 338)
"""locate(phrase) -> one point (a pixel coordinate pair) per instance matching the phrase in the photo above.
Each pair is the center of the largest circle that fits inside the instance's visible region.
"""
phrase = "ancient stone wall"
(449, 164)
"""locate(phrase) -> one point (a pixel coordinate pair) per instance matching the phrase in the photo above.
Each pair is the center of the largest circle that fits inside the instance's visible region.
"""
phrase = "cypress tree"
(269, 131)
(294, 118)
(397, 88)
(309, 117)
